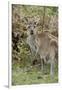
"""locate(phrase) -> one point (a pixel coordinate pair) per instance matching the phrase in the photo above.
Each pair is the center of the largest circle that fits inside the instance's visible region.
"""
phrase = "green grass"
(32, 77)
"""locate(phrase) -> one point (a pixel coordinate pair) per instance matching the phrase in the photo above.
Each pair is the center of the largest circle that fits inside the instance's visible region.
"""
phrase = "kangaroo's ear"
(25, 20)
(37, 20)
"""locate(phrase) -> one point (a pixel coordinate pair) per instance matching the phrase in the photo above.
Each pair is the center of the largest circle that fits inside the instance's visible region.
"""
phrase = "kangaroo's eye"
(28, 26)
(34, 26)
(34, 22)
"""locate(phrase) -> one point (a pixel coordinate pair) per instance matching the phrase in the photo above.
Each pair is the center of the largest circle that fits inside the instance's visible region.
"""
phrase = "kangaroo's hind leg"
(52, 63)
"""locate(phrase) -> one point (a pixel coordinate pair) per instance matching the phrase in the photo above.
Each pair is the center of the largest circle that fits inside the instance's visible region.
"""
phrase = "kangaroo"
(46, 46)
(42, 43)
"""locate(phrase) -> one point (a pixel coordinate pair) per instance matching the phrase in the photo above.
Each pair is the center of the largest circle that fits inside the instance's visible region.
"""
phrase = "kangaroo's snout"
(31, 32)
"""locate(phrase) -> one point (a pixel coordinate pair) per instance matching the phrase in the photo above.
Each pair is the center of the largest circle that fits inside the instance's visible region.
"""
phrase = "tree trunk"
(43, 18)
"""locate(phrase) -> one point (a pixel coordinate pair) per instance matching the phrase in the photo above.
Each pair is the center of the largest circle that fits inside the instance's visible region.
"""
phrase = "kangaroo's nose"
(31, 32)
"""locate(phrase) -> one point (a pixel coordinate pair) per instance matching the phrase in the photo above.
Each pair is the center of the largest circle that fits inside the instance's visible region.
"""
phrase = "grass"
(32, 77)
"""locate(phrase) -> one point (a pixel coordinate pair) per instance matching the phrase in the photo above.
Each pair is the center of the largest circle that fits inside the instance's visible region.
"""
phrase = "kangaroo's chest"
(31, 42)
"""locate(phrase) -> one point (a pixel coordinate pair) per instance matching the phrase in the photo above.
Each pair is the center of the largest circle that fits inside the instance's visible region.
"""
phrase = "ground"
(32, 77)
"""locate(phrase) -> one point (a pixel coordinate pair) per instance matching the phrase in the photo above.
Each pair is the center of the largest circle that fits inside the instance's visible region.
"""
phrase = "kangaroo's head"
(32, 25)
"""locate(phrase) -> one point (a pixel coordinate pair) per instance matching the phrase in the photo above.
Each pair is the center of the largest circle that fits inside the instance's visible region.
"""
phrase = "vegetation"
(24, 71)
